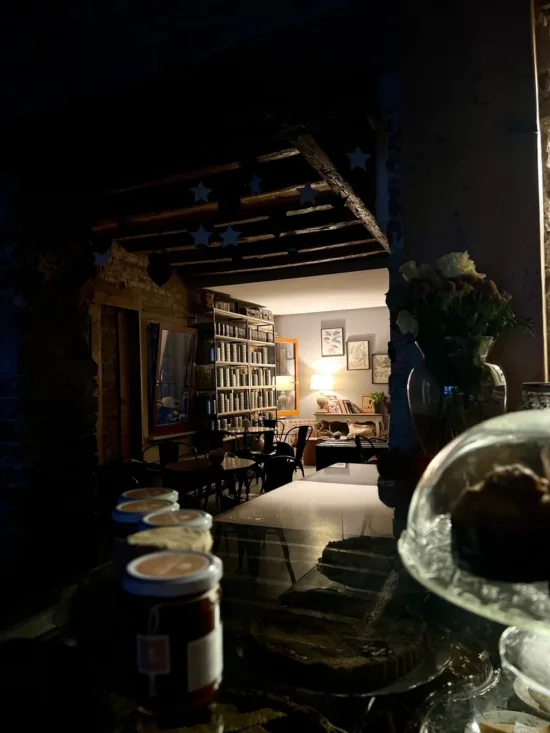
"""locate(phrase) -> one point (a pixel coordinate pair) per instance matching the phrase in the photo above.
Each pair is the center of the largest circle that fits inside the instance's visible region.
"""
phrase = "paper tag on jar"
(205, 660)
(153, 654)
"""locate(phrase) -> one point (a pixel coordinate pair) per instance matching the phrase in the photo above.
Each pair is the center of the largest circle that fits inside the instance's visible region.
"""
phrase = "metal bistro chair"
(369, 453)
(303, 435)
(277, 425)
(168, 451)
(279, 470)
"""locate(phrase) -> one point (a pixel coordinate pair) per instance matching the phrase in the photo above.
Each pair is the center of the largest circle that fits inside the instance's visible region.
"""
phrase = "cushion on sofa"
(366, 430)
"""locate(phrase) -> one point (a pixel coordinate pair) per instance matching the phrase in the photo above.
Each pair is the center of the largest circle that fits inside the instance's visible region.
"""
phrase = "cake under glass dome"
(517, 439)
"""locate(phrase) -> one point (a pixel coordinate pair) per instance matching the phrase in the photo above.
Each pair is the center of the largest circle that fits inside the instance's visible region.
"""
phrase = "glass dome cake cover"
(479, 521)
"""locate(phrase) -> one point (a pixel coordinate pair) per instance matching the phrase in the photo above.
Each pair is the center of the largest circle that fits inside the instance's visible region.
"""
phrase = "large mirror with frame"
(171, 352)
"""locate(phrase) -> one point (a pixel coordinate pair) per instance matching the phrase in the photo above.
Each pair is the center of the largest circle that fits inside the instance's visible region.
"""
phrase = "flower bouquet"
(455, 314)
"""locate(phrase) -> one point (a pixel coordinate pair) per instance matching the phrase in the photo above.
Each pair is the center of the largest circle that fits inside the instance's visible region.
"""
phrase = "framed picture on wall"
(381, 368)
(332, 342)
(358, 355)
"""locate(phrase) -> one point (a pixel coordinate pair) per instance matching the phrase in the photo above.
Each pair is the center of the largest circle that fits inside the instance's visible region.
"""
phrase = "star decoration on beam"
(358, 159)
(255, 185)
(200, 192)
(102, 258)
(201, 237)
(307, 194)
(230, 237)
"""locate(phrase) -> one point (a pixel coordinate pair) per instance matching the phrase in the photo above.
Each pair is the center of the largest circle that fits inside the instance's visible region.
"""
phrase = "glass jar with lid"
(155, 492)
(192, 518)
(175, 637)
(126, 518)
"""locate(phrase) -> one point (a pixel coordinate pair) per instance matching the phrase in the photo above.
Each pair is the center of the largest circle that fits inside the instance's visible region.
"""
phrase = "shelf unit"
(230, 348)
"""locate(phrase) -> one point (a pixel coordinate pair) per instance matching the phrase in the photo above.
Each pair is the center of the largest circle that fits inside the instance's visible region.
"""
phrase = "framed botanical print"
(358, 355)
(381, 368)
(332, 342)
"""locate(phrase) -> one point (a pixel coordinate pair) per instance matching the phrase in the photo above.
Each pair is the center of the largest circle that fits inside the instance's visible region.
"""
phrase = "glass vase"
(453, 390)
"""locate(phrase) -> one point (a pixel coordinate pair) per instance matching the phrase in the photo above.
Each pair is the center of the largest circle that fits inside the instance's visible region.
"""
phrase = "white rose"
(410, 270)
(407, 323)
(457, 263)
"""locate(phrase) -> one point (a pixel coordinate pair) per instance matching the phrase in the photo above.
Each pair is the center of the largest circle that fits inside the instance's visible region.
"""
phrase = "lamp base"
(322, 402)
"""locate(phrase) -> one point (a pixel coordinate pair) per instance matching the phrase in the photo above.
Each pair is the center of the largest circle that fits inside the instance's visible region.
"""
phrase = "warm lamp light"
(322, 382)
(284, 381)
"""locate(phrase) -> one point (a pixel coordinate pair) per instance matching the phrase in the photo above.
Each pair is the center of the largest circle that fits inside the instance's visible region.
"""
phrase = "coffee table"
(330, 451)
(347, 473)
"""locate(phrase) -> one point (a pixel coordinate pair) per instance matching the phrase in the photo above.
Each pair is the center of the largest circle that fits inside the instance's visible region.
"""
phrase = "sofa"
(326, 429)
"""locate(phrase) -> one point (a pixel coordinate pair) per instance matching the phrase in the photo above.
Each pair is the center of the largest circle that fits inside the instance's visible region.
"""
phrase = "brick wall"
(124, 283)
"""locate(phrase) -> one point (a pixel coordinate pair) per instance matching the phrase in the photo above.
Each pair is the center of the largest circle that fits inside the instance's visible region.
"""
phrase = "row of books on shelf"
(345, 407)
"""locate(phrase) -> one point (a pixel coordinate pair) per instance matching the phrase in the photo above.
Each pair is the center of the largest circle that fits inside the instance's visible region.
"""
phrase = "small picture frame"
(367, 405)
(381, 368)
(358, 355)
(332, 342)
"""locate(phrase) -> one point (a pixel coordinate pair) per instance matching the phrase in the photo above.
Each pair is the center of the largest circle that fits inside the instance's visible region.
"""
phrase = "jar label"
(205, 660)
(153, 654)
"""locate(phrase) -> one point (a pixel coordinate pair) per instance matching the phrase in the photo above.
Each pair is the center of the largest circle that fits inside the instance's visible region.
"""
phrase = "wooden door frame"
(290, 413)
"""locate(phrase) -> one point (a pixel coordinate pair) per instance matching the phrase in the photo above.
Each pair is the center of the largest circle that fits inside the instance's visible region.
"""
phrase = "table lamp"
(320, 383)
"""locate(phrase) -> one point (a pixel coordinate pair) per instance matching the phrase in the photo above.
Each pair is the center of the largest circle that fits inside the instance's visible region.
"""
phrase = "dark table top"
(339, 565)
(347, 473)
(204, 465)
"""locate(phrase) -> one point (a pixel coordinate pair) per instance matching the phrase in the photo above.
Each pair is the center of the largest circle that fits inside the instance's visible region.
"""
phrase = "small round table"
(202, 469)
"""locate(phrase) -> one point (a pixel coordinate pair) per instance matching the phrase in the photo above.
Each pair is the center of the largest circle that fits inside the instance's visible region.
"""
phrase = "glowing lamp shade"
(321, 382)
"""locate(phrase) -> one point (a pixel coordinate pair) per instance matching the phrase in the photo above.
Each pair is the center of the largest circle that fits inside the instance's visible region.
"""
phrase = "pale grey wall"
(372, 324)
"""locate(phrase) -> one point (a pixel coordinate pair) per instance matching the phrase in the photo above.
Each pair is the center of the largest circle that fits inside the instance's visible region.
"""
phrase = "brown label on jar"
(171, 566)
(143, 507)
(169, 518)
(144, 493)
(153, 654)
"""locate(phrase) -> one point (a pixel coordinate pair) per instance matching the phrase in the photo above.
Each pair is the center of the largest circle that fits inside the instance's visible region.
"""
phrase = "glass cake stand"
(427, 552)
(426, 548)
(527, 657)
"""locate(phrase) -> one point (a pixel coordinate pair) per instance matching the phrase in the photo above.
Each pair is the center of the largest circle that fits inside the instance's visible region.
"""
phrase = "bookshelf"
(235, 365)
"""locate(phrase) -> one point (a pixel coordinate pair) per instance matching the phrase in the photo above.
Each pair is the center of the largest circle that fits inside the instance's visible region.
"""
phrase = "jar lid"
(156, 492)
(172, 574)
(194, 518)
(130, 512)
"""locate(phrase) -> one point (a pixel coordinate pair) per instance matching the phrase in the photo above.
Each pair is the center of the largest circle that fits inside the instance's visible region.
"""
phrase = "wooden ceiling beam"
(228, 266)
(152, 222)
(374, 262)
(225, 187)
(208, 171)
(322, 164)
(269, 250)
(318, 218)
(263, 247)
